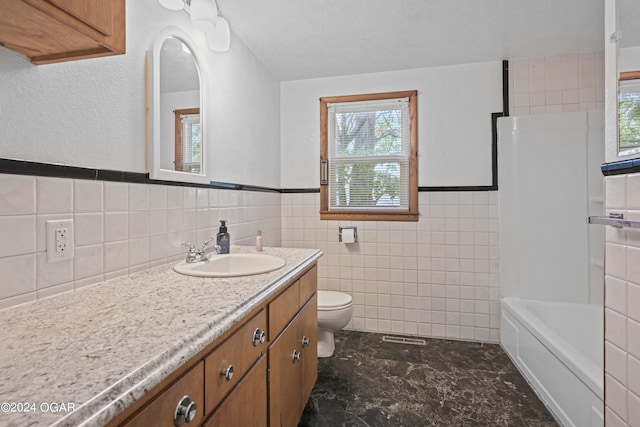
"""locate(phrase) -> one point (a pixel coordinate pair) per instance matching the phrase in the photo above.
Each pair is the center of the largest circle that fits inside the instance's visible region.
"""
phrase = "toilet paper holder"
(355, 233)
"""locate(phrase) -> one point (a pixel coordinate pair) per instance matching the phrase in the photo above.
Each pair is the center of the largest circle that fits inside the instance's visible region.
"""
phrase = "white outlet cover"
(52, 226)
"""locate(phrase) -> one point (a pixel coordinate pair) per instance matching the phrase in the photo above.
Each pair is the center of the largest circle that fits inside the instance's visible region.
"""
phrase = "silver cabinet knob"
(296, 356)
(258, 337)
(305, 341)
(185, 411)
(228, 373)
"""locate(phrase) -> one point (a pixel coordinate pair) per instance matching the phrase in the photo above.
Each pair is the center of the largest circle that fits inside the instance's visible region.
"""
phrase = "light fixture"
(206, 17)
(172, 4)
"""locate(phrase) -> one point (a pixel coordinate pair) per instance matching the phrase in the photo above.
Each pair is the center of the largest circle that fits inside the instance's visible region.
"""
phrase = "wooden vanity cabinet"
(269, 387)
(49, 31)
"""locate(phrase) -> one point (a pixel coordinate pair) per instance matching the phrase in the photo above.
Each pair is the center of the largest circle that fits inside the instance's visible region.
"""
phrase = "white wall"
(629, 59)
(91, 113)
(454, 121)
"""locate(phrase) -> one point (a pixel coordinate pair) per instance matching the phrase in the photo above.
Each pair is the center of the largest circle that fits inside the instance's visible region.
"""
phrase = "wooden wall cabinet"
(49, 31)
(269, 385)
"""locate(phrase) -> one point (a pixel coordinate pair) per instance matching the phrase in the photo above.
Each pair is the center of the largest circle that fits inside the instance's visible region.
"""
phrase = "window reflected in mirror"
(188, 140)
(629, 113)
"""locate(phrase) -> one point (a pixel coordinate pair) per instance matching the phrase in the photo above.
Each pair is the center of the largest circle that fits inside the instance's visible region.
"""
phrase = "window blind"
(191, 142)
(369, 149)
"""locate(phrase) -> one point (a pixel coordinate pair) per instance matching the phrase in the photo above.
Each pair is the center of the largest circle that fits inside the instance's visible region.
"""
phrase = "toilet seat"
(331, 300)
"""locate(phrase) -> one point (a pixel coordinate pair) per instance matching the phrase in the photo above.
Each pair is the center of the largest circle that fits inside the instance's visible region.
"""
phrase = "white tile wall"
(436, 278)
(622, 306)
(119, 228)
(552, 84)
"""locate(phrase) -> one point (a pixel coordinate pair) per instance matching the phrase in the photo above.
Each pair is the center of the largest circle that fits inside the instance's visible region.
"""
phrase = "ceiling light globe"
(172, 4)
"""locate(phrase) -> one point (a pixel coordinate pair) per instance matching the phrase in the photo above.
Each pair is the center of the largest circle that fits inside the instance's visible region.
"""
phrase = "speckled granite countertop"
(102, 347)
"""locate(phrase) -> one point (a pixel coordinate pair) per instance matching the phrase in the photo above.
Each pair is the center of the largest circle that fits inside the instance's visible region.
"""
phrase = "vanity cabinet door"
(285, 376)
(309, 358)
(229, 362)
(246, 405)
(293, 367)
(161, 411)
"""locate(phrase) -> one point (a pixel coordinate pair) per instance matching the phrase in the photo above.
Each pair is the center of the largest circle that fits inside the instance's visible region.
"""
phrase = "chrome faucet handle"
(206, 242)
(191, 246)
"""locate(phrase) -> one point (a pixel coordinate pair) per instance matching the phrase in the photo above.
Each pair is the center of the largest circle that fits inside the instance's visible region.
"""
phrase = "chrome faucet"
(195, 255)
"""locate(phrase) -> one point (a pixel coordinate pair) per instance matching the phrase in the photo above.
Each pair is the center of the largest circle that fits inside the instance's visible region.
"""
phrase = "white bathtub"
(558, 348)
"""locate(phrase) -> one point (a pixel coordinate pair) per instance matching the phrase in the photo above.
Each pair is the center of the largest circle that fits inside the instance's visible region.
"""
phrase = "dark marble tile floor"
(368, 382)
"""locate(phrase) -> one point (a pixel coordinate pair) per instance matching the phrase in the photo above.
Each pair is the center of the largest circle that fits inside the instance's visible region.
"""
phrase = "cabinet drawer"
(308, 285)
(160, 412)
(282, 309)
(246, 405)
(239, 352)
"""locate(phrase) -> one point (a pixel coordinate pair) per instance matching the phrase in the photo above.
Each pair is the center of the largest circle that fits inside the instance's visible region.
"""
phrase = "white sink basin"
(231, 265)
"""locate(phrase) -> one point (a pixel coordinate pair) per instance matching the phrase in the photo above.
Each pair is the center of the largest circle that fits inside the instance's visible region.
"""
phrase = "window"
(629, 114)
(188, 146)
(368, 153)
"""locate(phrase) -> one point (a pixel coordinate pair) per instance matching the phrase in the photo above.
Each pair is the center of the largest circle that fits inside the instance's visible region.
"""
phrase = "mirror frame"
(155, 170)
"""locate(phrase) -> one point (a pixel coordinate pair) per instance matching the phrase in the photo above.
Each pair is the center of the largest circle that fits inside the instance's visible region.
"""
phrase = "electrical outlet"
(59, 240)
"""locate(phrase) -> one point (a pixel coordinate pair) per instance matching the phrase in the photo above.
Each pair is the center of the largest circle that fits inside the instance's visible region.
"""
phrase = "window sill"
(369, 216)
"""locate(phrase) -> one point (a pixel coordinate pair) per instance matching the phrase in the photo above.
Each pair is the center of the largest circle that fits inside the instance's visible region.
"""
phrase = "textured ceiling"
(301, 39)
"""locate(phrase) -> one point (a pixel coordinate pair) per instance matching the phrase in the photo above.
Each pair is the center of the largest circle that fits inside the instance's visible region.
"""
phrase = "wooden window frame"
(178, 136)
(380, 214)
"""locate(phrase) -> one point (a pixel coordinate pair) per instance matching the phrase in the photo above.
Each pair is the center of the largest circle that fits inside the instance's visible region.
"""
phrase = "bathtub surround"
(120, 228)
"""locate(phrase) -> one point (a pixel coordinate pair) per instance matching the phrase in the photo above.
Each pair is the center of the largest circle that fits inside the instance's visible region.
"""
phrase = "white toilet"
(334, 312)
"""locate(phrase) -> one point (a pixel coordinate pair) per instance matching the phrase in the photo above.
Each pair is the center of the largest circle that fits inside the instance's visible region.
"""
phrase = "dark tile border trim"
(622, 167)
(23, 167)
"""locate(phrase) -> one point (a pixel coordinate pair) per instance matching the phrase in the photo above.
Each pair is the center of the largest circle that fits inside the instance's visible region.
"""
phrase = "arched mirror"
(629, 78)
(177, 119)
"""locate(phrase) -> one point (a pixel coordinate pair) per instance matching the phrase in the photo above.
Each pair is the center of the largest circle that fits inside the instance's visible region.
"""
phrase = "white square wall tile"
(116, 197)
(616, 191)
(633, 408)
(138, 224)
(17, 234)
(616, 396)
(174, 197)
(158, 197)
(52, 273)
(87, 196)
(616, 260)
(616, 362)
(116, 256)
(138, 197)
(88, 228)
(18, 275)
(116, 226)
(615, 328)
(54, 195)
(17, 195)
(87, 261)
(633, 301)
(616, 294)
(633, 192)
(138, 251)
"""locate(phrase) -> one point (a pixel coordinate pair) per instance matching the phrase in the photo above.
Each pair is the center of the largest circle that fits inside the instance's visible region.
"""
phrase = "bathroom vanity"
(159, 348)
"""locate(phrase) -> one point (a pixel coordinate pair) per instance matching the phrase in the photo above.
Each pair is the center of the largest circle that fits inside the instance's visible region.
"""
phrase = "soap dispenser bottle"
(222, 238)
